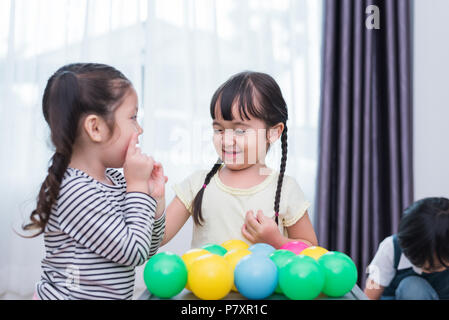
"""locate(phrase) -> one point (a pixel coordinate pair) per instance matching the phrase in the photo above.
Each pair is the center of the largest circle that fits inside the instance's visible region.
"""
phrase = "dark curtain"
(365, 169)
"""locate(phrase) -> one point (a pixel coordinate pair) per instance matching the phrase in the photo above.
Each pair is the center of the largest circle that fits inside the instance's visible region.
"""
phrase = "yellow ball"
(233, 257)
(190, 256)
(315, 252)
(210, 277)
(235, 244)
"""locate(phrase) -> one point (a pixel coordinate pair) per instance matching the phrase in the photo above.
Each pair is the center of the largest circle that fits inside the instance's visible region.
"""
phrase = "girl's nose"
(228, 138)
(139, 129)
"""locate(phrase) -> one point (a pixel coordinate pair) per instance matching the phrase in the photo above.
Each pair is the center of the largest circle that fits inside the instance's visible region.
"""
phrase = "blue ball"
(262, 248)
(256, 276)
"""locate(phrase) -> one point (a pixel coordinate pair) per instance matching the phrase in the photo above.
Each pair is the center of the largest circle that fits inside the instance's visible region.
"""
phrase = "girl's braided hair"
(258, 95)
(71, 92)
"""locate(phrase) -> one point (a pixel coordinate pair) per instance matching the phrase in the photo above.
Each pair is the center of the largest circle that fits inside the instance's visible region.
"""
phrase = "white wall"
(431, 94)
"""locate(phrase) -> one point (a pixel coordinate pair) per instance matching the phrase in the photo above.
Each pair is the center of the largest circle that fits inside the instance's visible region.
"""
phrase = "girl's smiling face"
(240, 143)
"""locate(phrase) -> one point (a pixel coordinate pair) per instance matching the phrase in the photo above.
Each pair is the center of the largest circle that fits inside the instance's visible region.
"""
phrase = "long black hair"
(71, 92)
(424, 232)
(256, 95)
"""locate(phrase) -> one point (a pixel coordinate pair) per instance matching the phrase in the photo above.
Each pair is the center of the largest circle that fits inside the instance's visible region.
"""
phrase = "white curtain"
(176, 53)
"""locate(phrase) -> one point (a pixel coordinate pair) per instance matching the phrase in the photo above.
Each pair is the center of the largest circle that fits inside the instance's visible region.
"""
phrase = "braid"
(256, 95)
(48, 193)
(198, 200)
(281, 174)
(73, 91)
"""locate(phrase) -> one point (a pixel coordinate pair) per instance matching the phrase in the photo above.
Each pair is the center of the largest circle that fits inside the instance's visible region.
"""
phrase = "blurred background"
(176, 53)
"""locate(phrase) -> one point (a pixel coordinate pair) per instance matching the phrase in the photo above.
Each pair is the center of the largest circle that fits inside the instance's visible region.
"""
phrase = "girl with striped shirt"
(98, 223)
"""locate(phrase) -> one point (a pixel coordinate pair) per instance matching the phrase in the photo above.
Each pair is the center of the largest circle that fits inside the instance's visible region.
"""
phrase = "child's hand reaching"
(156, 184)
(261, 228)
(137, 168)
(157, 181)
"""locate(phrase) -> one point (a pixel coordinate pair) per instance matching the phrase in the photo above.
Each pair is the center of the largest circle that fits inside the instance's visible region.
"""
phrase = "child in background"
(413, 264)
(240, 197)
(98, 224)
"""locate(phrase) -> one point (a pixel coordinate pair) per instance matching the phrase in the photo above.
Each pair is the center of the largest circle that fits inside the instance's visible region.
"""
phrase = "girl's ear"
(275, 132)
(95, 128)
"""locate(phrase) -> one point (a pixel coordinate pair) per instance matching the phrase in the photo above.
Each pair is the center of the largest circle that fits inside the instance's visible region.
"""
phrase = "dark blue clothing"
(438, 280)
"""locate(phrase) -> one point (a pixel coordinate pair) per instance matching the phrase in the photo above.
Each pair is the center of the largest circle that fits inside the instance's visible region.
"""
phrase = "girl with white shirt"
(240, 197)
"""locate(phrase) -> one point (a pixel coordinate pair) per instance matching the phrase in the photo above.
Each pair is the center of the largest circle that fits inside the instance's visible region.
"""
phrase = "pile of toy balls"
(256, 272)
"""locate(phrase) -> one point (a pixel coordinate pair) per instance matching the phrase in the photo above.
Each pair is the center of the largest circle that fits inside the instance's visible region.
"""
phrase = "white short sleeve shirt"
(381, 269)
(224, 208)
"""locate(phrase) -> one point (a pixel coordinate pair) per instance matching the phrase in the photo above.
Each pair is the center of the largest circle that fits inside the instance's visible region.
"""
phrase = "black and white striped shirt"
(95, 237)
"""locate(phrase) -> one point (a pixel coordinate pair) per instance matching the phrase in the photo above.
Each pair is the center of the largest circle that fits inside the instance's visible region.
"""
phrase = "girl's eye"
(240, 131)
(218, 131)
(134, 117)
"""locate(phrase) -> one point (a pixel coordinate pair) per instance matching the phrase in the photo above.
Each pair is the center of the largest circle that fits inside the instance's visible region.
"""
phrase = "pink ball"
(295, 246)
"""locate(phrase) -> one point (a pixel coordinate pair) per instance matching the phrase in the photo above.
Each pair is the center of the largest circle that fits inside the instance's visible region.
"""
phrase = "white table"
(355, 294)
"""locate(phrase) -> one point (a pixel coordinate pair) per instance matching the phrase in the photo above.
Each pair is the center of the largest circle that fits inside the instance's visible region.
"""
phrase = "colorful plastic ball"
(301, 278)
(235, 244)
(314, 252)
(295, 246)
(190, 256)
(262, 248)
(256, 276)
(280, 258)
(233, 257)
(165, 274)
(215, 249)
(340, 273)
(210, 277)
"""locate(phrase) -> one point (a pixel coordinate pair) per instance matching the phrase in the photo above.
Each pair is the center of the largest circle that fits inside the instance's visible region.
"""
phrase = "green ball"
(215, 249)
(165, 275)
(340, 273)
(301, 278)
(280, 258)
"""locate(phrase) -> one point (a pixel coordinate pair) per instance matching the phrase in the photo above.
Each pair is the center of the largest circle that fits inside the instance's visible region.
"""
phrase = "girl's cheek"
(218, 146)
(126, 146)
(124, 152)
(260, 147)
(253, 154)
(251, 143)
(217, 142)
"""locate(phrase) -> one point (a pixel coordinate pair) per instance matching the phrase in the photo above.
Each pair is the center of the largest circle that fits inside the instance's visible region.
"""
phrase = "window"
(176, 53)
